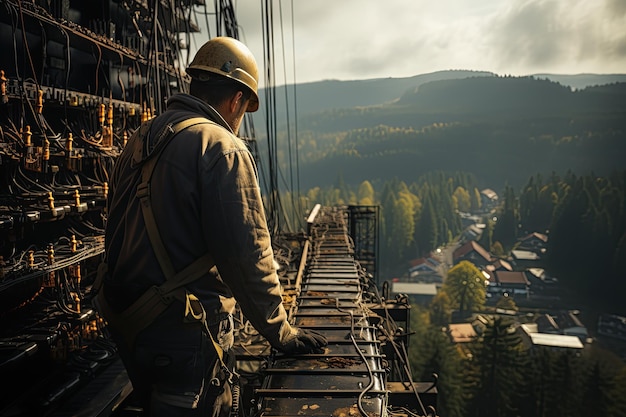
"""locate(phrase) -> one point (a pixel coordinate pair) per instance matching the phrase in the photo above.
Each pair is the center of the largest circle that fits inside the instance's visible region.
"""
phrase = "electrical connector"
(50, 201)
(101, 114)
(50, 252)
(27, 136)
(78, 206)
(39, 102)
(3, 87)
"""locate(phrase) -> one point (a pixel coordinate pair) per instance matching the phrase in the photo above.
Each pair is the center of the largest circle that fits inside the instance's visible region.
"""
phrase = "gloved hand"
(304, 341)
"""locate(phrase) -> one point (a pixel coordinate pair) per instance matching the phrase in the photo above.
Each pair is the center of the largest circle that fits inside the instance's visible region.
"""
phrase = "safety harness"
(130, 322)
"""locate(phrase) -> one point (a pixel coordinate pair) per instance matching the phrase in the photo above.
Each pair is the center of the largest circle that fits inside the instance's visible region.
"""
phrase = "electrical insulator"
(46, 149)
(46, 154)
(74, 244)
(70, 158)
(149, 113)
(31, 259)
(110, 115)
(50, 254)
(105, 189)
(50, 201)
(27, 135)
(76, 299)
(77, 276)
(69, 142)
(101, 114)
(3, 87)
(39, 101)
(107, 136)
(76, 197)
(131, 111)
(125, 138)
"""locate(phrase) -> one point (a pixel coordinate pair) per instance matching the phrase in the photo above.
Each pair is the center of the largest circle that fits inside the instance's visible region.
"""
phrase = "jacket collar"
(188, 102)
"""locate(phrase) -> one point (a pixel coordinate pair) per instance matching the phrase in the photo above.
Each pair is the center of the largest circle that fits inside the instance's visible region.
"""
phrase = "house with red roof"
(534, 242)
(514, 283)
(488, 199)
(472, 251)
(524, 259)
(499, 265)
(562, 322)
(424, 270)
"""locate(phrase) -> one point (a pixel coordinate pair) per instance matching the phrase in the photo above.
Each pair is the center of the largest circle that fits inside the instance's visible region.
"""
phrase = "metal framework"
(363, 223)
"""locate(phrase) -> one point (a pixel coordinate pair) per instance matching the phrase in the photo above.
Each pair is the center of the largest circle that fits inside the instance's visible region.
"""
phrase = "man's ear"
(235, 102)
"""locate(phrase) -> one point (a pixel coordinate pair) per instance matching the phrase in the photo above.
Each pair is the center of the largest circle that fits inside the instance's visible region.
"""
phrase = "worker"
(198, 207)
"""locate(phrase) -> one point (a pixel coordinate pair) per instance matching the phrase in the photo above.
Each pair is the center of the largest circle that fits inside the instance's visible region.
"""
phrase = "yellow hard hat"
(230, 58)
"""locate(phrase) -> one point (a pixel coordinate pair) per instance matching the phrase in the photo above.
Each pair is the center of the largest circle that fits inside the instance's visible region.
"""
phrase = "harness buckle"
(143, 191)
(166, 299)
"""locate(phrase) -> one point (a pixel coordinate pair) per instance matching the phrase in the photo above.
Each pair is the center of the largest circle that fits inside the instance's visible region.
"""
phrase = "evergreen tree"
(505, 229)
(566, 230)
(506, 303)
(486, 238)
(454, 383)
(497, 249)
(440, 308)
(366, 194)
(388, 202)
(498, 360)
(476, 201)
(618, 394)
(426, 232)
(462, 200)
(465, 285)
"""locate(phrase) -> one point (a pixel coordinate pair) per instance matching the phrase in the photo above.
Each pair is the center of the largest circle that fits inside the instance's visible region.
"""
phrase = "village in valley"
(544, 316)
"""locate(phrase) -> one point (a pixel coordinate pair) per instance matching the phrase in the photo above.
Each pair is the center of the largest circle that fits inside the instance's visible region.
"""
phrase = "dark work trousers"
(174, 367)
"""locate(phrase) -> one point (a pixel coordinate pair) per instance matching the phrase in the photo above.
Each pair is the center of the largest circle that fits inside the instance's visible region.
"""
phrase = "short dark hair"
(217, 89)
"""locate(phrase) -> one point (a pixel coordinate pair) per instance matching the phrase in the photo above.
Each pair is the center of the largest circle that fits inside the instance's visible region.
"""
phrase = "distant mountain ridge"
(580, 81)
(511, 97)
(334, 94)
(502, 129)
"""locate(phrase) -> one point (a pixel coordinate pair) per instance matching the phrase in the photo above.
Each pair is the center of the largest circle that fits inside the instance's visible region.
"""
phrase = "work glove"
(304, 341)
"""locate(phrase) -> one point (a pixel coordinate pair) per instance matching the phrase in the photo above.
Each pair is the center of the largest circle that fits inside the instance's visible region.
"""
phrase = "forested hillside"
(501, 129)
(556, 156)
(318, 96)
(585, 217)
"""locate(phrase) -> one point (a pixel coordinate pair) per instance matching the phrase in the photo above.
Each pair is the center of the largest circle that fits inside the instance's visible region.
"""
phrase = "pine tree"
(498, 359)
(426, 233)
(505, 229)
(465, 285)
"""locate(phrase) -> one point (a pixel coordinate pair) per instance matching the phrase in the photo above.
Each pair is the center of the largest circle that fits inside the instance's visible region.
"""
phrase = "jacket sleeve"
(237, 235)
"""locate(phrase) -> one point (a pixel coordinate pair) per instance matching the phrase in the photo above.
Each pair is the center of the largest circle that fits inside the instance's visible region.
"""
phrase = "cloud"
(364, 39)
(358, 39)
(529, 34)
(616, 8)
(575, 35)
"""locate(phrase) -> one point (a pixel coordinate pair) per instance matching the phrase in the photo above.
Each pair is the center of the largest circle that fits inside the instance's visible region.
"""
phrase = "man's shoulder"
(217, 139)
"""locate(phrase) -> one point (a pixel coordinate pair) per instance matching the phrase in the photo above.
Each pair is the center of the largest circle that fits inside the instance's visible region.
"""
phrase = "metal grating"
(349, 378)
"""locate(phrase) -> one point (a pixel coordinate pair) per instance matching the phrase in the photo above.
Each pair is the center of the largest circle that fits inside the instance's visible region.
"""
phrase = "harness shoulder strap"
(143, 191)
(154, 301)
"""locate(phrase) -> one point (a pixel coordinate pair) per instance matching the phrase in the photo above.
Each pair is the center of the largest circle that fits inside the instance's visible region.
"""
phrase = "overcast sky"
(362, 39)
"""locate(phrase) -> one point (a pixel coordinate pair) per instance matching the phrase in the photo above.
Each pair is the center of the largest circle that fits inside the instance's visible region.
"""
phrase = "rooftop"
(556, 340)
(471, 246)
(414, 288)
(461, 332)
